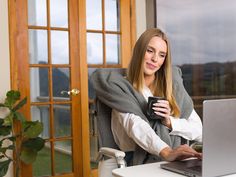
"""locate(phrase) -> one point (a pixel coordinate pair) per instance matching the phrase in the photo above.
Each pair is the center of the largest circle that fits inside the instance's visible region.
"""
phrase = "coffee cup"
(150, 112)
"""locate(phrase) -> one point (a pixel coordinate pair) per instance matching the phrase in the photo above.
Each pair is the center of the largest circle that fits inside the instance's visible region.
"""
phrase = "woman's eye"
(162, 56)
(149, 51)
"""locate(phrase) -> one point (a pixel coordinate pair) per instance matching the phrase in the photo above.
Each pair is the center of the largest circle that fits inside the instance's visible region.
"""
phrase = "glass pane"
(39, 84)
(112, 48)
(63, 159)
(42, 165)
(94, 48)
(37, 12)
(60, 47)
(59, 13)
(41, 113)
(61, 82)
(38, 47)
(62, 120)
(112, 15)
(205, 55)
(94, 14)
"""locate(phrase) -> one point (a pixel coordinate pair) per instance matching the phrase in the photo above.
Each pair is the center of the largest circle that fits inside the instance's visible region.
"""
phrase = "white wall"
(140, 17)
(4, 58)
(4, 50)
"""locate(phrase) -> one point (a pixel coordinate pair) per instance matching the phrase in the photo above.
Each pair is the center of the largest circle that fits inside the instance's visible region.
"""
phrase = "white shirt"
(129, 129)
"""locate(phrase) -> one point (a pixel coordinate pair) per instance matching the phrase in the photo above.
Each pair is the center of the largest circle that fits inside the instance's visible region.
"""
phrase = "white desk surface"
(150, 170)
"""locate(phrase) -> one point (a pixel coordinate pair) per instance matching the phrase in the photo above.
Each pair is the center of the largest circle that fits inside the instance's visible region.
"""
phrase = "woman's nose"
(154, 58)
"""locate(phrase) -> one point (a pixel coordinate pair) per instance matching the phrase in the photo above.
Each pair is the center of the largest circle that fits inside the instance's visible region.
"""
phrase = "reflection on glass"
(112, 48)
(208, 63)
(38, 47)
(63, 157)
(94, 14)
(37, 12)
(94, 48)
(62, 120)
(39, 85)
(61, 82)
(59, 13)
(112, 15)
(42, 165)
(60, 47)
(41, 113)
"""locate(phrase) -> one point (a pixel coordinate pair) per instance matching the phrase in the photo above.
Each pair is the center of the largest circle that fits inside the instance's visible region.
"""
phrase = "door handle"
(72, 92)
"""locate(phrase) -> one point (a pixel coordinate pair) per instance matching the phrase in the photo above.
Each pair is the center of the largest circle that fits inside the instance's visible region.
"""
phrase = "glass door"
(48, 59)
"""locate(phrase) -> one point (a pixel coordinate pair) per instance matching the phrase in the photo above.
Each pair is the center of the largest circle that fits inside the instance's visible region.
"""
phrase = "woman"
(150, 74)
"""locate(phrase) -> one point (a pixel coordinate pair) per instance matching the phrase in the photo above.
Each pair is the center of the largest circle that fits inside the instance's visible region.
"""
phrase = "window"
(202, 38)
(108, 46)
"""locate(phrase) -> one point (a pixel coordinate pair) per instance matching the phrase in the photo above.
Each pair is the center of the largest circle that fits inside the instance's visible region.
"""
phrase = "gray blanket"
(116, 92)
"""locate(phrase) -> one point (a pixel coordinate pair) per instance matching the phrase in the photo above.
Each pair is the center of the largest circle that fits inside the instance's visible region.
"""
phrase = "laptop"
(219, 142)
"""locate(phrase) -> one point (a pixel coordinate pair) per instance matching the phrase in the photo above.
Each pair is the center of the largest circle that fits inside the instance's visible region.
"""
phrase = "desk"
(150, 170)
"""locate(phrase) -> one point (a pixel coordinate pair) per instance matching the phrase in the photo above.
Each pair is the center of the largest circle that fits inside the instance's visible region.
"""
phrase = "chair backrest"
(105, 136)
(103, 114)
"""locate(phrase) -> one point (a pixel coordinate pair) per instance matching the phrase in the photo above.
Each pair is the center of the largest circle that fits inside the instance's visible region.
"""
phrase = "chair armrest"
(112, 153)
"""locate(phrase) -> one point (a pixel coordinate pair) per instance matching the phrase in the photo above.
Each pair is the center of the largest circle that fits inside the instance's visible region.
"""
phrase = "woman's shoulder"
(176, 73)
(105, 73)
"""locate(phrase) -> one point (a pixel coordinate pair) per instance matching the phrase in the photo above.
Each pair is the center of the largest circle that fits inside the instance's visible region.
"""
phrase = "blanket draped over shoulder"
(116, 92)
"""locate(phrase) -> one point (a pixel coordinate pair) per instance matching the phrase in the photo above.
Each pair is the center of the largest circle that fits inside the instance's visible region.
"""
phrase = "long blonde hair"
(162, 84)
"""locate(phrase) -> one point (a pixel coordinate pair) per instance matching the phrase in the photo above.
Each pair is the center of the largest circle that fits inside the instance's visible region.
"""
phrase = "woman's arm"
(140, 131)
(190, 129)
(179, 153)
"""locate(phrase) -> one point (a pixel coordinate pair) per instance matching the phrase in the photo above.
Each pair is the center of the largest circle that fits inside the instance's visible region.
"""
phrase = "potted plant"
(24, 135)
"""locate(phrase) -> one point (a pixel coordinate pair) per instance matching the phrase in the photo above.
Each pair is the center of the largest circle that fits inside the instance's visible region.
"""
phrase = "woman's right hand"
(180, 153)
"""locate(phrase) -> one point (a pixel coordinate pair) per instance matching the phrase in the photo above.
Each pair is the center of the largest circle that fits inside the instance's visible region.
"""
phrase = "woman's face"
(155, 56)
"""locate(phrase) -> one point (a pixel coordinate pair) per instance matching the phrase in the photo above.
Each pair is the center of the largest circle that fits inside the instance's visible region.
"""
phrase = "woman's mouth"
(151, 66)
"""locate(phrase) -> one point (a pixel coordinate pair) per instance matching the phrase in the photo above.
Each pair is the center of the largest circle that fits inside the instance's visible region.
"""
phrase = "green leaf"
(35, 144)
(4, 167)
(2, 105)
(11, 147)
(4, 149)
(19, 116)
(33, 129)
(8, 120)
(12, 97)
(28, 156)
(20, 104)
(12, 138)
(4, 130)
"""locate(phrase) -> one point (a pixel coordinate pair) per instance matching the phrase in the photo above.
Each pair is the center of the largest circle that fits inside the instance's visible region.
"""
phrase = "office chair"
(109, 156)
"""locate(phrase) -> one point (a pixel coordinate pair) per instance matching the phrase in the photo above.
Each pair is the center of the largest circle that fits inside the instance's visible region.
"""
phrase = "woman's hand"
(180, 153)
(162, 108)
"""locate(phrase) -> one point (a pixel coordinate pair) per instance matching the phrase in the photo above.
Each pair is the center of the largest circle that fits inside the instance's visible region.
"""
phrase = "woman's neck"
(149, 80)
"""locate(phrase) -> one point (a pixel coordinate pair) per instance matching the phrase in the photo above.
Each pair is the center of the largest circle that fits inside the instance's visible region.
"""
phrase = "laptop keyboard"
(197, 168)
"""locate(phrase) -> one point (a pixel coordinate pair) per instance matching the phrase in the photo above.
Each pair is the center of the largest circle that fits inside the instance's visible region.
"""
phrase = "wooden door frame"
(18, 37)
(18, 34)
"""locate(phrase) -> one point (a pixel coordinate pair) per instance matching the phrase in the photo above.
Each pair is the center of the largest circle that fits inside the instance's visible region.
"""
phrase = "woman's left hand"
(162, 108)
